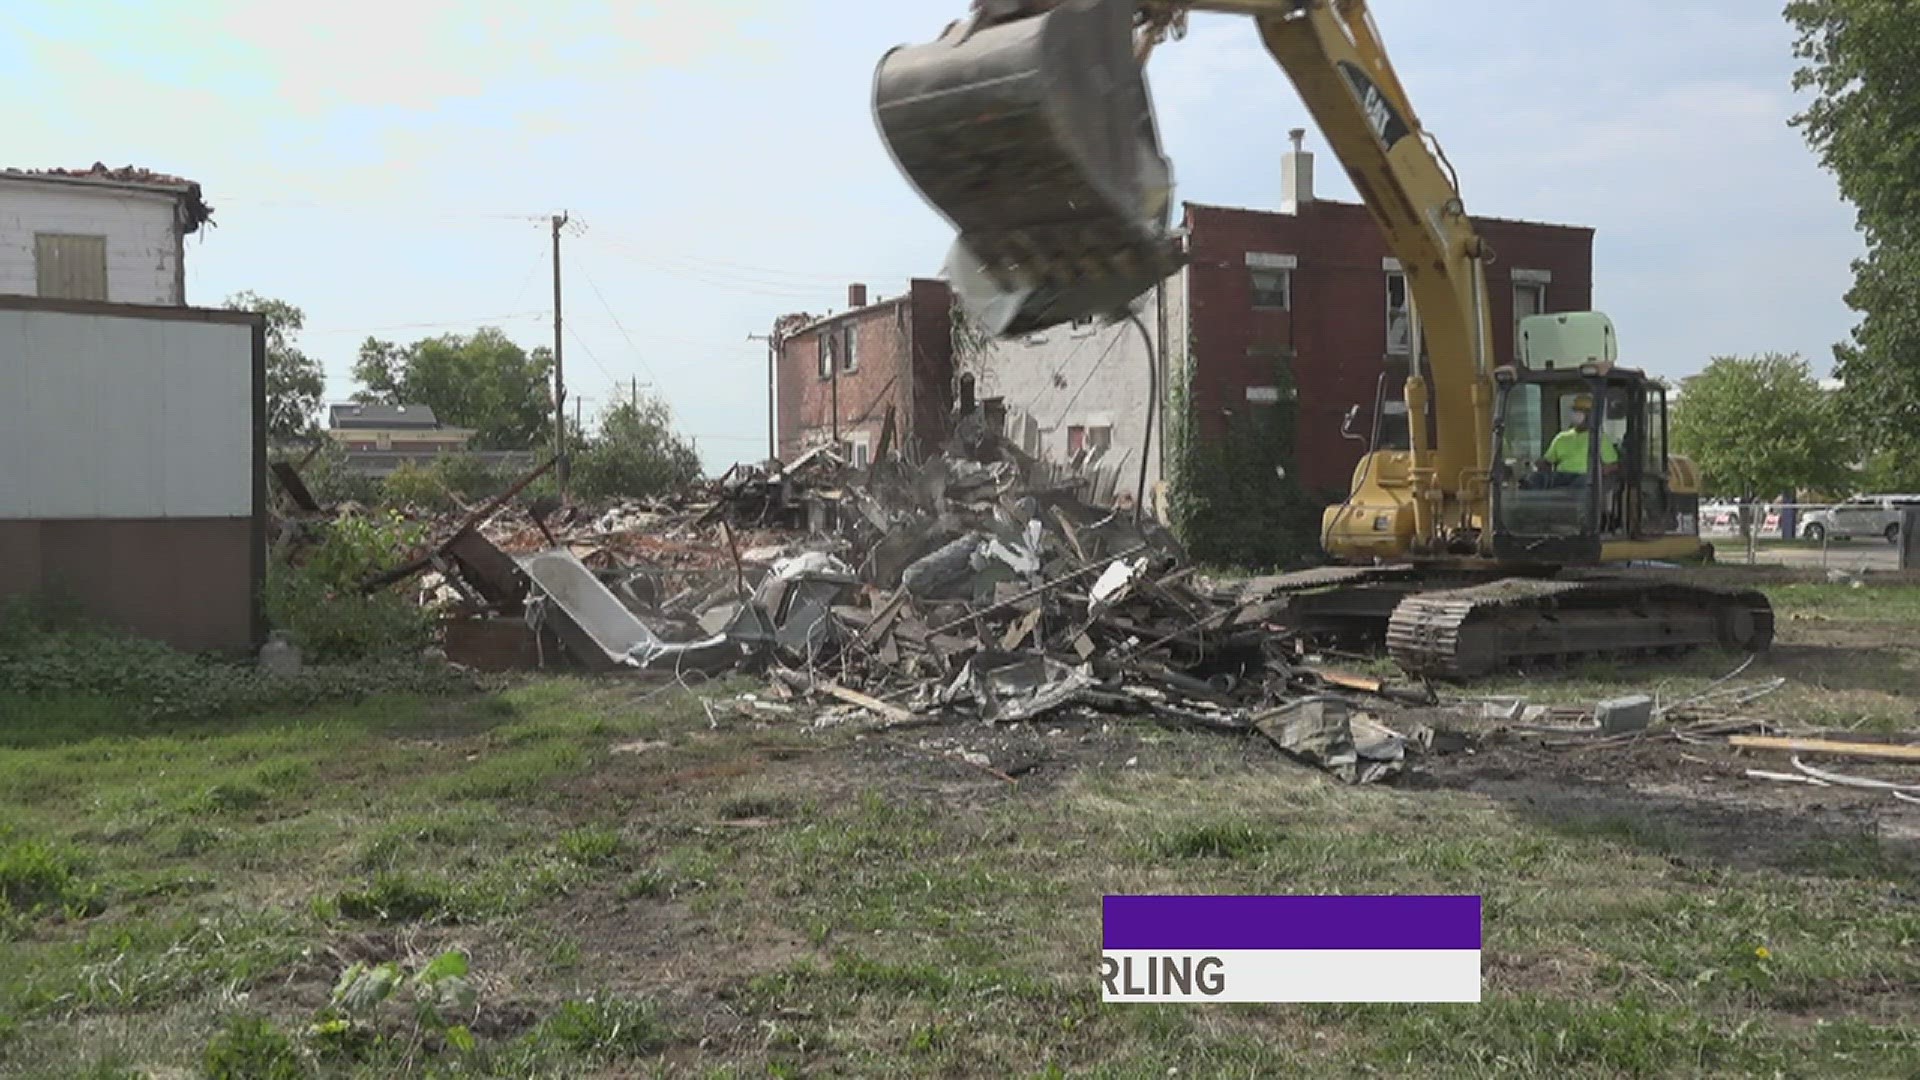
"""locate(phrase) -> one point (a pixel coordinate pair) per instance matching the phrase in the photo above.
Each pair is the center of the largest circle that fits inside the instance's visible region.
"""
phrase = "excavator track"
(1460, 625)
(1474, 631)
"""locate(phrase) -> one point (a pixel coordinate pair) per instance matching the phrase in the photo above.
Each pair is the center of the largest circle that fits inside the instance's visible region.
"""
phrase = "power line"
(424, 325)
(772, 275)
(637, 354)
(591, 355)
(781, 290)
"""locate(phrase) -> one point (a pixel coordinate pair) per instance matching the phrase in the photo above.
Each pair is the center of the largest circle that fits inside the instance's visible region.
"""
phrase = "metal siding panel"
(125, 417)
(209, 435)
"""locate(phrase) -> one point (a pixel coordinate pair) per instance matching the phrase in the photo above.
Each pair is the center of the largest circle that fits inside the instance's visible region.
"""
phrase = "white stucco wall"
(140, 227)
(1063, 377)
(110, 416)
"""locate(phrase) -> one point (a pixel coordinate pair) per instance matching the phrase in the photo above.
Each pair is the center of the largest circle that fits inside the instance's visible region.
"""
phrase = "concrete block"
(1631, 713)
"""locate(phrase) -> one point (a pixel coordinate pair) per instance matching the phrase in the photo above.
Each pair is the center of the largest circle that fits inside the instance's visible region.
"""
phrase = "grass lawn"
(649, 881)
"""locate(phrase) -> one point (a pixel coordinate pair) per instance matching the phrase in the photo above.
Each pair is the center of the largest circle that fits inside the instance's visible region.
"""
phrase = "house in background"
(1303, 305)
(98, 234)
(839, 375)
(380, 438)
(358, 426)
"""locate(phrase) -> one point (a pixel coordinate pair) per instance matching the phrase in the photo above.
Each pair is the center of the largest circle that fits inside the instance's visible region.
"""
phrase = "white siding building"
(1080, 391)
(117, 235)
(134, 443)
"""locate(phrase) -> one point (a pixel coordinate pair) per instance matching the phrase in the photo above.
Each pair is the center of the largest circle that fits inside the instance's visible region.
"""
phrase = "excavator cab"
(1030, 129)
(1580, 457)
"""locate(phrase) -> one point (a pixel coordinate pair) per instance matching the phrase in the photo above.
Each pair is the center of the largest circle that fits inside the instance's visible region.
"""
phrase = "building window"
(1529, 298)
(826, 356)
(1399, 315)
(857, 453)
(71, 267)
(849, 350)
(1272, 288)
(1082, 326)
(1089, 438)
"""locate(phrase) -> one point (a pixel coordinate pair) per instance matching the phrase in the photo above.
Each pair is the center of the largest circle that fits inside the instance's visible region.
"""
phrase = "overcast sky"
(388, 166)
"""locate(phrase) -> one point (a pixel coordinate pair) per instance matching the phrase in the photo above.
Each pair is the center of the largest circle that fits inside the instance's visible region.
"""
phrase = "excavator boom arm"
(1029, 127)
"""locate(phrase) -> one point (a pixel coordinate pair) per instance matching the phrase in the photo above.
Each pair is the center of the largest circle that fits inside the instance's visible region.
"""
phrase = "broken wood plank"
(883, 619)
(1362, 683)
(1020, 629)
(871, 704)
(1072, 534)
(1884, 751)
(296, 488)
(1785, 778)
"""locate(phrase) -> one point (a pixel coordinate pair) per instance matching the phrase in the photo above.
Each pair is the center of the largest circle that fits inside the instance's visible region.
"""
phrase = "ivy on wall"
(1227, 499)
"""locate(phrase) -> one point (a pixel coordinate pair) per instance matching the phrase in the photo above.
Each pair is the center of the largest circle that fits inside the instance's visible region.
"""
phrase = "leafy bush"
(253, 1049)
(401, 897)
(331, 626)
(153, 681)
(636, 454)
(468, 476)
(438, 990)
(35, 876)
(603, 1028)
(327, 475)
(318, 602)
(414, 485)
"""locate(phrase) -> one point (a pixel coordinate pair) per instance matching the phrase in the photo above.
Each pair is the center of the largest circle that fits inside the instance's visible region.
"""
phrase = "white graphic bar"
(1418, 976)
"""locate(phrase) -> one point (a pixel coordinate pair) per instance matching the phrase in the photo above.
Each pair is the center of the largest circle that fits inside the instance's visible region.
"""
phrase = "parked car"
(1719, 517)
(1862, 515)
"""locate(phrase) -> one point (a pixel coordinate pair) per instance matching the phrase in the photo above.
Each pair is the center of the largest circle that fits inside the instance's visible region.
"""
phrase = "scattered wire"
(591, 355)
(637, 354)
(469, 321)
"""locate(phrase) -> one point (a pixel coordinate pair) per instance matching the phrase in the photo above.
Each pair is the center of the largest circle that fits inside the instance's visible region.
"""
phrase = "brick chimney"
(856, 296)
(1296, 175)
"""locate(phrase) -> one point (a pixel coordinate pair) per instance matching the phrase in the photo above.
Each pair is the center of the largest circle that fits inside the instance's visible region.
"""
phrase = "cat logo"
(1382, 117)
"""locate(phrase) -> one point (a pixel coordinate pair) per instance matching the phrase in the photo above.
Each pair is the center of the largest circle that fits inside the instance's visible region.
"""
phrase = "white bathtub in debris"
(602, 632)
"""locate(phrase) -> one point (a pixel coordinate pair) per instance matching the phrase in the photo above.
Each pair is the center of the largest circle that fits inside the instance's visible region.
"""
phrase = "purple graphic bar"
(1291, 922)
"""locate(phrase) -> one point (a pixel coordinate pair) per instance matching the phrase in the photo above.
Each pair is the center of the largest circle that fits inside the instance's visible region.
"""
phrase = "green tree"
(1759, 426)
(1864, 123)
(635, 454)
(482, 381)
(411, 485)
(295, 381)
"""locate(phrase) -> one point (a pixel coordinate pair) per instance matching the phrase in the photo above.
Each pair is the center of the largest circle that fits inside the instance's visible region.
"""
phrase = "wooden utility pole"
(773, 453)
(559, 372)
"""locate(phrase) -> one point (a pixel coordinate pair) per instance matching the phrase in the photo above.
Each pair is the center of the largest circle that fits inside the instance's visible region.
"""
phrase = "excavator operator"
(1565, 463)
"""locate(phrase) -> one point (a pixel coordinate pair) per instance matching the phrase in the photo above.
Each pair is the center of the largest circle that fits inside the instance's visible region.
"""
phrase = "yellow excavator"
(1515, 520)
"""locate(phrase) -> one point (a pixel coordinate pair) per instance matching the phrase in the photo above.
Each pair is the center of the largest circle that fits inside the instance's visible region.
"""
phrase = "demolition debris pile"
(956, 586)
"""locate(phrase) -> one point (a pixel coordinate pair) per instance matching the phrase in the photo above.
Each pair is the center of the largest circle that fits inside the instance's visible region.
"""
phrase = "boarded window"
(1272, 288)
(71, 267)
(1529, 298)
(1399, 316)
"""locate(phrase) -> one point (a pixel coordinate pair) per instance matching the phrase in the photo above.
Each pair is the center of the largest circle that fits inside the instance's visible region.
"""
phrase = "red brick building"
(1300, 309)
(1315, 296)
(838, 375)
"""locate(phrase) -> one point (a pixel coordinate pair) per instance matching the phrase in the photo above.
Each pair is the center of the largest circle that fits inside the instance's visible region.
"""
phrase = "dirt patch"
(1689, 801)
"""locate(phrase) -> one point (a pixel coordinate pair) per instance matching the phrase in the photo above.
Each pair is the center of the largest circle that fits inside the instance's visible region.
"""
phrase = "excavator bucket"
(1035, 139)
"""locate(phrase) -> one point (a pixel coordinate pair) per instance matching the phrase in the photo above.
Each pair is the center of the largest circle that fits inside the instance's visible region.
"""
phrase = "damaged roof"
(196, 210)
(376, 415)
